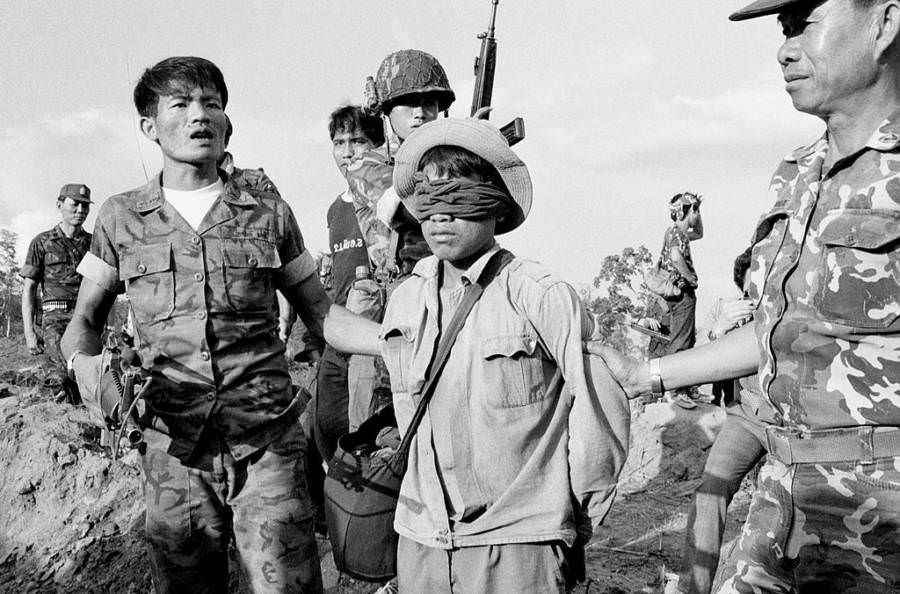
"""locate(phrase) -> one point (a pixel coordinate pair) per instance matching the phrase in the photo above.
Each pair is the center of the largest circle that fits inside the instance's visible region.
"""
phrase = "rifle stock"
(485, 67)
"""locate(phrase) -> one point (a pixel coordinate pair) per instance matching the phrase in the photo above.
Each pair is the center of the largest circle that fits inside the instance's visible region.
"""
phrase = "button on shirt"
(52, 260)
(203, 303)
(826, 272)
(503, 448)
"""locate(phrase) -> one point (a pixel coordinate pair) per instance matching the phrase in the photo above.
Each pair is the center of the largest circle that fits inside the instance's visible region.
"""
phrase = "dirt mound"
(72, 519)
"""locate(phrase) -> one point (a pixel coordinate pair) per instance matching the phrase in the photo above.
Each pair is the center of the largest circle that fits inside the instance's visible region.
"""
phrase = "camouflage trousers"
(53, 326)
(262, 501)
(820, 528)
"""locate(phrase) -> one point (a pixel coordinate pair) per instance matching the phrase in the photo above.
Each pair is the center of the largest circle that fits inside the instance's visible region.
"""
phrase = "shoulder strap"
(472, 294)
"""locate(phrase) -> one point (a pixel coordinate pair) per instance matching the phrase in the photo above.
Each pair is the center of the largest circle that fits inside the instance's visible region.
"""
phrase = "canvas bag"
(361, 491)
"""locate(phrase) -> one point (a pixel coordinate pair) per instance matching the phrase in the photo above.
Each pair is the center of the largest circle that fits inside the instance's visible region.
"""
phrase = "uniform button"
(201, 315)
(195, 240)
(210, 397)
(204, 355)
(198, 276)
(252, 261)
(142, 269)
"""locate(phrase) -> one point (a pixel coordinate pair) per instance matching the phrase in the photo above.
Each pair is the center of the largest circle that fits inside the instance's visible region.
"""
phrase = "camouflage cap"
(77, 192)
(410, 71)
(763, 8)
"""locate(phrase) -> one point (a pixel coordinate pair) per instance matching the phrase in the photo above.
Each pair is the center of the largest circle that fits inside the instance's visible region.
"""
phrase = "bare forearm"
(28, 308)
(734, 355)
(350, 333)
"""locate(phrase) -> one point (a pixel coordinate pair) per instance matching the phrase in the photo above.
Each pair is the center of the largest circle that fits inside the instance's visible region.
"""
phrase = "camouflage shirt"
(52, 260)
(204, 308)
(676, 239)
(826, 274)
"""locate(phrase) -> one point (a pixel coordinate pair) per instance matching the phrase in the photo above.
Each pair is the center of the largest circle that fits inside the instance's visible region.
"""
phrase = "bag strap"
(472, 294)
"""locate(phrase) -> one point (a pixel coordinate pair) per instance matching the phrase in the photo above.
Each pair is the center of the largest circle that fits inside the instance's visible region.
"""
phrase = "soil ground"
(72, 519)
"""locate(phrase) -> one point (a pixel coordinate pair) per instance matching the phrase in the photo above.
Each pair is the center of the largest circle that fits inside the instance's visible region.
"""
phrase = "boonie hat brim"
(478, 137)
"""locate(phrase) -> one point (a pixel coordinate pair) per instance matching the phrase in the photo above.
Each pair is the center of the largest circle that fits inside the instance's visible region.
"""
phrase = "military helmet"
(411, 71)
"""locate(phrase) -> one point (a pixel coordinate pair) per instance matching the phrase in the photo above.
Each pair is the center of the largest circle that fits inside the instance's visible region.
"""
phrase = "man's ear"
(148, 127)
(888, 29)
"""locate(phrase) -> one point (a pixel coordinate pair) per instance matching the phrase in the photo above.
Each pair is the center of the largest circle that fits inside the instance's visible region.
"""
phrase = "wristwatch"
(656, 385)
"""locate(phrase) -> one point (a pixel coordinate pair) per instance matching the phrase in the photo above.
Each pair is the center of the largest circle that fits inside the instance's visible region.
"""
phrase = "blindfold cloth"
(463, 199)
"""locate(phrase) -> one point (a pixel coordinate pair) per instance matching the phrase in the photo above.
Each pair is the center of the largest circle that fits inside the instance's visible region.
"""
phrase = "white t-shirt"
(194, 204)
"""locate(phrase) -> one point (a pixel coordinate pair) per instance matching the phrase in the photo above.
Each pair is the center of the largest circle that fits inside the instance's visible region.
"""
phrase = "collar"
(885, 138)
(150, 197)
(58, 232)
(427, 268)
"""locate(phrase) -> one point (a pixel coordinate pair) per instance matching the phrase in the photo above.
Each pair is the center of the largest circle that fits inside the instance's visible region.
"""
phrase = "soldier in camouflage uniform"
(225, 453)
(51, 262)
(409, 89)
(825, 275)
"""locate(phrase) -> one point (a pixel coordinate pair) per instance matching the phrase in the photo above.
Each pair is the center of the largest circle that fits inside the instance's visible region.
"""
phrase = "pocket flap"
(251, 254)
(863, 229)
(508, 345)
(146, 259)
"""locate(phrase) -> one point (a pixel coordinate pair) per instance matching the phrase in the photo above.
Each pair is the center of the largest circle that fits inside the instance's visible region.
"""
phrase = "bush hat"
(480, 138)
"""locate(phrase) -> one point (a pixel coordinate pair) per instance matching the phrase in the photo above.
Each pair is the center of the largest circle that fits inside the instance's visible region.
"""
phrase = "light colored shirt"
(515, 431)
(194, 204)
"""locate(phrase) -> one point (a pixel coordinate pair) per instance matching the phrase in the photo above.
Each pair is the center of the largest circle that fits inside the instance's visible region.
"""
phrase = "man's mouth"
(791, 77)
(203, 134)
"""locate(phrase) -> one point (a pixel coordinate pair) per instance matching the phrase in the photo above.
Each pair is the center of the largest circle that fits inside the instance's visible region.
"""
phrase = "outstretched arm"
(345, 331)
(734, 355)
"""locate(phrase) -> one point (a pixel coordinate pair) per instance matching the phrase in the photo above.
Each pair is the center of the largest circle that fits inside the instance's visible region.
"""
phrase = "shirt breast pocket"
(249, 269)
(398, 356)
(860, 264)
(150, 279)
(55, 265)
(513, 370)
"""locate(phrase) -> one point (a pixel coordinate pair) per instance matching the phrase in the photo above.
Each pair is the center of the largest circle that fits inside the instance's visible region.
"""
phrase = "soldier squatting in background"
(825, 275)
(52, 259)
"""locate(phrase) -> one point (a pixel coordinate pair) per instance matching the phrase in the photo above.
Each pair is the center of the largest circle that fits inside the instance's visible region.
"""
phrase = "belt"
(58, 305)
(853, 444)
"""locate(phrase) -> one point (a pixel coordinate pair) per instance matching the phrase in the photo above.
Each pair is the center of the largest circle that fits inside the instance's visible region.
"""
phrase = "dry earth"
(71, 519)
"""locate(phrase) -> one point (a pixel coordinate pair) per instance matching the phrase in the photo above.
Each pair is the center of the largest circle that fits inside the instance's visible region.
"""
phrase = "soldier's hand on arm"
(734, 355)
(91, 311)
(29, 301)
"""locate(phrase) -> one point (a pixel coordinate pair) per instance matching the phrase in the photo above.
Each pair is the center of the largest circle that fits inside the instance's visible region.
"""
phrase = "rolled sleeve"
(101, 264)
(297, 270)
(33, 267)
(298, 263)
(93, 268)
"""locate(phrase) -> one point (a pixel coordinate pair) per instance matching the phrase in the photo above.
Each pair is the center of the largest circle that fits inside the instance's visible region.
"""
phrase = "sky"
(625, 104)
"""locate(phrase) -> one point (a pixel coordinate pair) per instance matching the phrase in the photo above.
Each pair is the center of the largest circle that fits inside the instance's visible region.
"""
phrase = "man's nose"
(441, 218)
(198, 112)
(789, 50)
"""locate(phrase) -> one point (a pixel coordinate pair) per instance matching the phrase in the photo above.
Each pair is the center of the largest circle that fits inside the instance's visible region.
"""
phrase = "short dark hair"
(455, 161)
(176, 74)
(348, 118)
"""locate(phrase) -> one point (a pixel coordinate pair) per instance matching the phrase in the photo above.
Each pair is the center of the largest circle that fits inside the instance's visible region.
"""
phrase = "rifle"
(485, 65)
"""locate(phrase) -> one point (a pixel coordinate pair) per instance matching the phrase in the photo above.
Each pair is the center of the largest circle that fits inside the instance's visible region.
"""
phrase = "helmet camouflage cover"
(411, 71)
